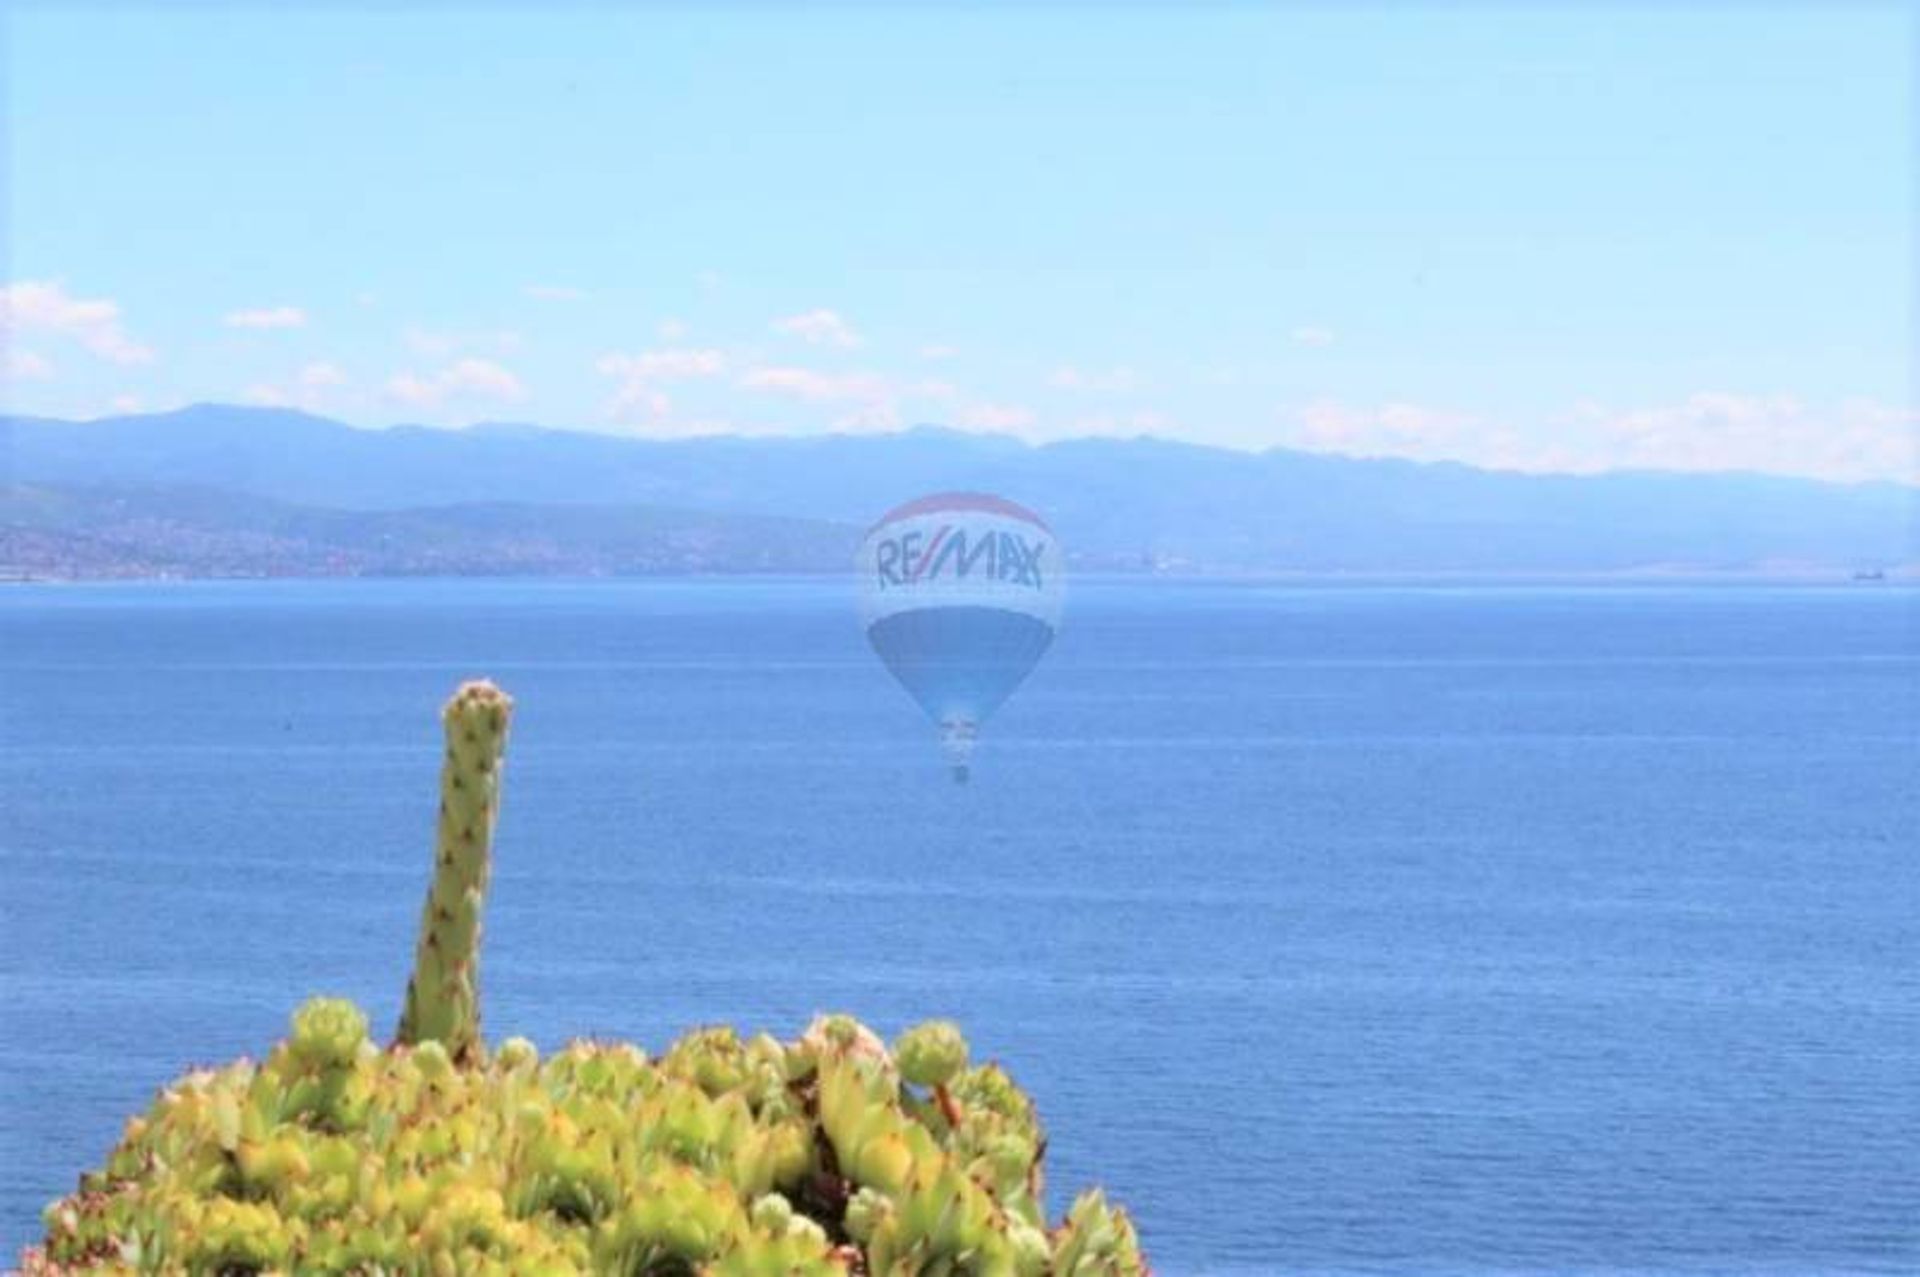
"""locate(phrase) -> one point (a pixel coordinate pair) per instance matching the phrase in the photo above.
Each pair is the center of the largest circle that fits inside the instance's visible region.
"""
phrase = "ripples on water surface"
(1336, 929)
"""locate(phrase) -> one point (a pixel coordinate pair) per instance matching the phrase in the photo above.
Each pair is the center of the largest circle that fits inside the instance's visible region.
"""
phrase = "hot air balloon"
(960, 594)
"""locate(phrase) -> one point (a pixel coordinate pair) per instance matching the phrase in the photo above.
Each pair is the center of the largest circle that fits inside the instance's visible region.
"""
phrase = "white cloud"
(1852, 440)
(820, 327)
(24, 365)
(671, 329)
(43, 306)
(267, 317)
(817, 387)
(313, 384)
(1132, 423)
(638, 393)
(1393, 429)
(407, 387)
(664, 365)
(434, 344)
(1312, 335)
(1116, 380)
(555, 293)
(464, 378)
(882, 415)
(639, 399)
(125, 403)
(870, 400)
(479, 377)
(988, 416)
(321, 375)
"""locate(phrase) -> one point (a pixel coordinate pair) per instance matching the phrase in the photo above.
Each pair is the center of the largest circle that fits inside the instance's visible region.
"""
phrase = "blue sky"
(1546, 238)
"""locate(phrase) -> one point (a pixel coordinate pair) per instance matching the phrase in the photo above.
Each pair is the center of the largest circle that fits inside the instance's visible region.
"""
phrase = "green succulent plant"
(825, 1156)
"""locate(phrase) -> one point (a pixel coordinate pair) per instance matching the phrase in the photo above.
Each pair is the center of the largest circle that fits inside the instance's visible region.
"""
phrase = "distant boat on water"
(1874, 574)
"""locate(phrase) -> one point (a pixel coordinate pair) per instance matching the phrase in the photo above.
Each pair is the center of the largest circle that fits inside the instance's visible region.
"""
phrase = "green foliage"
(931, 1055)
(760, 1158)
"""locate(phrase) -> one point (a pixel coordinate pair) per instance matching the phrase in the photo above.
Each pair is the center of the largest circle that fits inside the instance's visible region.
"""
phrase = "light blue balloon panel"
(960, 592)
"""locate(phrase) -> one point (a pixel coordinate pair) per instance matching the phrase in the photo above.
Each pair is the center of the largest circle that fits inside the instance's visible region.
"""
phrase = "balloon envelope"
(960, 593)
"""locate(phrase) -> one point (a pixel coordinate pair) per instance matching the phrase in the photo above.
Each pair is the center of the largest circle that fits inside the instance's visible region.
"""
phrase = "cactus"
(826, 1156)
(443, 995)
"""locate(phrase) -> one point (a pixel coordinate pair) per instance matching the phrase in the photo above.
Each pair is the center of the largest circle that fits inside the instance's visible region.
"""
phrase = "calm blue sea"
(1336, 929)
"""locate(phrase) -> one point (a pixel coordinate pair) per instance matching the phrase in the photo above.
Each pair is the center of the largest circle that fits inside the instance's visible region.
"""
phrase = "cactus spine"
(443, 995)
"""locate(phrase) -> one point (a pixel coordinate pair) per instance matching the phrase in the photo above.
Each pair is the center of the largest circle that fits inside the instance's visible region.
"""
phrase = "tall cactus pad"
(443, 995)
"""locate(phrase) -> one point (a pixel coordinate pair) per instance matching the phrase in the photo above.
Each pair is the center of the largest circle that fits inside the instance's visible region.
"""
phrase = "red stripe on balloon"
(944, 502)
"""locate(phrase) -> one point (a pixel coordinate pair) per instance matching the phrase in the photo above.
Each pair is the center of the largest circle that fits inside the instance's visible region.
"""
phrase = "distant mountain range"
(163, 530)
(219, 490)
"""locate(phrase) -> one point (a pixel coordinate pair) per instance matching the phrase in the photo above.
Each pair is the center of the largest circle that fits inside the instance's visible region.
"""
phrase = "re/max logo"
(997, 556)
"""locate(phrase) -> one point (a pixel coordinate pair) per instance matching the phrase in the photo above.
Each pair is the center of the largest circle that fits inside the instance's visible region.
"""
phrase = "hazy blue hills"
(523, 498)
(163, 530)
